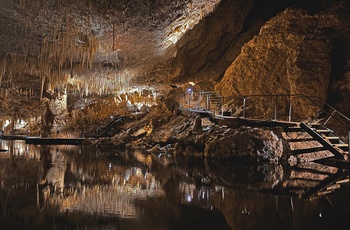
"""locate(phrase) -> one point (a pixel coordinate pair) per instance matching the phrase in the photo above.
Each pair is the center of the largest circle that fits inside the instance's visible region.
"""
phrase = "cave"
(255, 89)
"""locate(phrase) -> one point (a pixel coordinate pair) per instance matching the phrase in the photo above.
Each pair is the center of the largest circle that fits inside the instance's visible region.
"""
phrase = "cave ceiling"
(105, 47)
(87, 46)
(59, 39)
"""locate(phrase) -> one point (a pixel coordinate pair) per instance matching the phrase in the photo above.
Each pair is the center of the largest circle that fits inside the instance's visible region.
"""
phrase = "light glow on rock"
(196, 10)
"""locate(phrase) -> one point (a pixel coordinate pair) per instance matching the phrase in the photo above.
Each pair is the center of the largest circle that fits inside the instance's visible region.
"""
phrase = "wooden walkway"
(13, 137)
(55, 141)
(317, 171)
(326, 138)
(110, 127)
(46, 140)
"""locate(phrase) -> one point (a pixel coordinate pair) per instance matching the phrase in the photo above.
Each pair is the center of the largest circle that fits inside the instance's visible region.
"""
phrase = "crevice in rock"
(338, 63)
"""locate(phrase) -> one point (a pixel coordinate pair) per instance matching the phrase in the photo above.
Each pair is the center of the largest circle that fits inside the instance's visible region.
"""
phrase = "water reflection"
(71, 187)
(97, 187)
(18, 149)
(113, 198)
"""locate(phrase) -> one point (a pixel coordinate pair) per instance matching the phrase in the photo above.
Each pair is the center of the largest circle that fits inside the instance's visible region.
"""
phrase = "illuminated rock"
(290, 55)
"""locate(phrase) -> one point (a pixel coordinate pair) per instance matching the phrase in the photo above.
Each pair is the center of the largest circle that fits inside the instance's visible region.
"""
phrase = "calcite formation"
(103, 55)
(290, 56)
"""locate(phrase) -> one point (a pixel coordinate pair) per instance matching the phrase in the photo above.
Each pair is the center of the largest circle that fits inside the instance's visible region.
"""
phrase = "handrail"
(295, 95)
(313, 99)
(331, 107)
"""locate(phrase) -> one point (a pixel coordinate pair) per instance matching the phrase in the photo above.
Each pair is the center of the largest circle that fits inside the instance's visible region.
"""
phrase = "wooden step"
(292, 129)
(308, 150)
(332, 138)
(315, 125)
(301, 139)
(322, 141)
(342, 146)
(312, 170)
(323, 131)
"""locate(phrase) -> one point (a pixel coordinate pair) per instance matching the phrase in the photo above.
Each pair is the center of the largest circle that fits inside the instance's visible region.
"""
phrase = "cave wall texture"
(294, 53)
(214, 43)
(241, 47)
(272, 48)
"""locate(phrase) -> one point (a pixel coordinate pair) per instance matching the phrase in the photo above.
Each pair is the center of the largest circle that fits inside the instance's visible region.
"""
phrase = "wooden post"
(244, 99)
(290, 112)
(348, 144)
(189, 100)
(207, 104)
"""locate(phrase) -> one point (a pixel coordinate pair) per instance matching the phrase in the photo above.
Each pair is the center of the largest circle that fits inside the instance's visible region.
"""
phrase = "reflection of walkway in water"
(111, 199)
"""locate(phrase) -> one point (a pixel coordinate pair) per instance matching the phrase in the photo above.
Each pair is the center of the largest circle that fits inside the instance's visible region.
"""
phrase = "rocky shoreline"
(160, 131)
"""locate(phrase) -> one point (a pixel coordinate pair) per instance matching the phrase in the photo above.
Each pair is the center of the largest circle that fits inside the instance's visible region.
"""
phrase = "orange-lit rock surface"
(292, 54)
(101, 54)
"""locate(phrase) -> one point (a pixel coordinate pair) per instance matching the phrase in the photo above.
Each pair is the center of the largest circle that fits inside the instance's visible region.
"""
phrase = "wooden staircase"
(328, 139)
(312, 180)
(311, 146)
(319, 158)
(322, 143)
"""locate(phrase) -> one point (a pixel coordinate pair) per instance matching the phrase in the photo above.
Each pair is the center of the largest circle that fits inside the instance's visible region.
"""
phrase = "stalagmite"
(197, 125)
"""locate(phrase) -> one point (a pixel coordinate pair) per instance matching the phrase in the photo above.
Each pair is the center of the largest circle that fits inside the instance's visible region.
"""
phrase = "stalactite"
(83, 60)
(68, 42)
(43, 78)
(86, 89)
(3, 66)
(44, 49)
(92, 49)
(22, 4)
(71, 61)
(25, 52)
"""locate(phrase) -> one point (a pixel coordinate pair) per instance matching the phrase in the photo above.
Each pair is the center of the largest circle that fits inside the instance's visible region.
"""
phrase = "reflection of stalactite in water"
(45, 158)
(48, 121)
(116, 198)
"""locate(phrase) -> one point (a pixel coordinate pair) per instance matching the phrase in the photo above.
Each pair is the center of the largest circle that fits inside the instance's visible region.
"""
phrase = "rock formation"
(111, 58)
(290, 56)
(197, 125)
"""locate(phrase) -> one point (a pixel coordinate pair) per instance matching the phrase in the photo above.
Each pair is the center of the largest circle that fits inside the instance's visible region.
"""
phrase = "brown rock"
(250, 143)
(197, 125)
(291, 55)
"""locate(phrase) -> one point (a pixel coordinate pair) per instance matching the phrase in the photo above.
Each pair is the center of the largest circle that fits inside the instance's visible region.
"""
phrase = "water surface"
(75, 187)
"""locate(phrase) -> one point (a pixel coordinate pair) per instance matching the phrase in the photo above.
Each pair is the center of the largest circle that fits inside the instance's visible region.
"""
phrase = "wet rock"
(155, 149)
(197, 125)
(143, 131)
(144, 109)
(87, 142)
(185, 136)
(273, 174)
(252, 143)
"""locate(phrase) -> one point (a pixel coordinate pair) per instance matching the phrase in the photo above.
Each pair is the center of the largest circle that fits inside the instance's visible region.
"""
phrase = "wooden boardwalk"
(327, 140)
(46, 140)
(55, 141)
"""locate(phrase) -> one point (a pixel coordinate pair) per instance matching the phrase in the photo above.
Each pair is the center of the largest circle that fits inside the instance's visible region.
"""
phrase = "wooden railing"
(324, 111)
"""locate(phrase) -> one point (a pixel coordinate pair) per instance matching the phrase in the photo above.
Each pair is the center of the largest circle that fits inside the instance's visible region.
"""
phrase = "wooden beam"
(322, 141)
